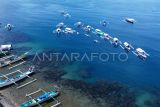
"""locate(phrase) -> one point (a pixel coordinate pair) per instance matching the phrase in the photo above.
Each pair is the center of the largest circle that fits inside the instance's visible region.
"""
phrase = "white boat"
(9, 27)
(99, 32)
(69, 30)
(106, 36)
(141, 53)
(116, 42)
(88, 28)
(12, 80)
(58, 31)
(127, 46)
(130, 20)
(6, 47)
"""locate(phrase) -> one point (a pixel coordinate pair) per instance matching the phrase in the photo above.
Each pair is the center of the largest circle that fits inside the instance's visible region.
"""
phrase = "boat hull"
(10, 82)
(12, 62)
(34, 103)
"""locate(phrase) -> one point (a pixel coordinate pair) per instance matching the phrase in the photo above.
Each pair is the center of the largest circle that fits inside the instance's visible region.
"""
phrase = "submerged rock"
(114, 94)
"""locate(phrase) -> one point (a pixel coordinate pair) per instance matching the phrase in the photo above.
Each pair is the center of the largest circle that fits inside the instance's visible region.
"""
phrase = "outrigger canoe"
(5, 61)
(40, 99)
(19, 76)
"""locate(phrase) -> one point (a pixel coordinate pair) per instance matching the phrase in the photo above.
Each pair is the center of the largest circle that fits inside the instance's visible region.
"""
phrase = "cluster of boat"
(124, 45)
(61, 28)
(6, 60)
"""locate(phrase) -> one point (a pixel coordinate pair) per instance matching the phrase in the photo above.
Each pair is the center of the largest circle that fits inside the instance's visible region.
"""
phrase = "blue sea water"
(37, 19)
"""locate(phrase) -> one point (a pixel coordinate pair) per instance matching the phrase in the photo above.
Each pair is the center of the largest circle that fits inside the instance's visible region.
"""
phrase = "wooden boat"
(6, 81)
(40, 99)
(8, 60)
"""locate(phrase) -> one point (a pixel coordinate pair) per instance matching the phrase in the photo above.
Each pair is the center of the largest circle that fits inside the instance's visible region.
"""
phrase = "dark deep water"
(37, 19)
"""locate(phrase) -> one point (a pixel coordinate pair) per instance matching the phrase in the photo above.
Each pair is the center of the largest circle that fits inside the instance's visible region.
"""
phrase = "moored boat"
(7, 60)
(78, 24)
(106, 36)
(9, 27)
(40, 99)
(127, 46)
(116, 42)
(88, 29)
(99, 32)
(69, 30)
(58, 31)
(130, 20)
(19, 76)
(141, 53)
(6, 47)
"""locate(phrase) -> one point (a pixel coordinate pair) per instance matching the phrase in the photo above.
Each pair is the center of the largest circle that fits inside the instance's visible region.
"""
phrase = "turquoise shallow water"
(38, 18)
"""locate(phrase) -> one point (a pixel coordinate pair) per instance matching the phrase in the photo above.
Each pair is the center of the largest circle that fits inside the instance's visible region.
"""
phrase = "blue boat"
(40, 99)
